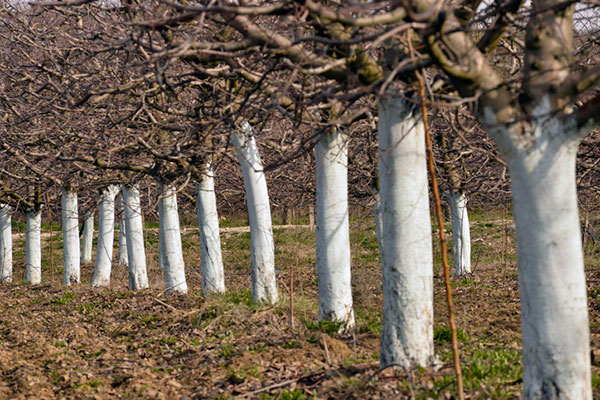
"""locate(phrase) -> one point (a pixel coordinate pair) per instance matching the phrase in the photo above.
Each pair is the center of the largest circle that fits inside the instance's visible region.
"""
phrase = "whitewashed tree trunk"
(461, 235)
(407, 331)
(6, 246)
(170, 235)
(70, 228)
(88, 238)
(161, 240)
(333, 233)
(33, 247)
(211, 264)
(378, 224)
(122, 257)
(136, 255)
(262, 252)
(554, 313)
(106, 235)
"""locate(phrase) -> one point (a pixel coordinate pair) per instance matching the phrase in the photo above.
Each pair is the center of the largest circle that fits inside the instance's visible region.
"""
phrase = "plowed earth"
(80, 342)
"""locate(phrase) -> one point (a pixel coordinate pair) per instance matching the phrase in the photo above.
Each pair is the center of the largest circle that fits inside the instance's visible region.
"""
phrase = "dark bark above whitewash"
(455, 51)
(548, 55)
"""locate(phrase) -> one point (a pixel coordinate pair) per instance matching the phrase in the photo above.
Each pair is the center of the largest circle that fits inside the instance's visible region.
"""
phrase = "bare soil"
(80, 342)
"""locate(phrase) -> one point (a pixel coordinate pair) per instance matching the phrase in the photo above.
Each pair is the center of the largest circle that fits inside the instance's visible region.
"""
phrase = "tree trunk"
(333, 234)
(262, 252)
(554, 314)
(122, 257)
(461, 235)
(378, 224)
(211, 264)
(407, 331)
(136, 256)
(6, 246)
(88, 238)
(170, 235)
(70, 228)
(33, 247)
(106, 235)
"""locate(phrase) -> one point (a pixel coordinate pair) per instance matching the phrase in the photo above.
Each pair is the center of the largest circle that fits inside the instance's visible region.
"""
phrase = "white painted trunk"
(88, 238)
(170, 241)
(161, 240)
(33, 247)
(6, 246)
(211, 264)
(136, 255)
(461, 235)
(554, 314)
(122, 243)
(70, 229)
(333, 234)
(407, 331)
(106, 235)
(262, 252)
(378, 225)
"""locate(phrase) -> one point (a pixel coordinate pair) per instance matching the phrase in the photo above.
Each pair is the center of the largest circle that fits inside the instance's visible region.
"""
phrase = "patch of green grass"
(243, 297)
(442, 333)
(169, 340)
(233, 221)
(258, 348)
(369, 322)
(465, 282)
(296, 394)
(494, 372)
(237, 242)
(64, 299)
(186, 244)
(142, 389)
(88, 308)
(239, 376)
(60, 344)
(151, 224)
(290, 345)
(227, 350)
(149, 319)
(328, 327)
(95, 354)
(594, 293)
(493, 368)
(151, 239)
(595, 381)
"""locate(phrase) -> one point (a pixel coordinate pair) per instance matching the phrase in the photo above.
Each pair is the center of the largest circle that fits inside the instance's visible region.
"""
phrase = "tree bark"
(262, 252)
(136, 255)
(211, 264)
(554, 314)
(461, 235)
(170, 238)
(33, 247)
(378, 224)
(333, 233)
(70, 228)
(88, 238)
(106, 235)
(6, 246)
(407, 331)
(122, 257)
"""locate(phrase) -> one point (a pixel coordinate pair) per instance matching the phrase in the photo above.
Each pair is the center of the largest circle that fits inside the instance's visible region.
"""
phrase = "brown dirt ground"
(80, 343)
